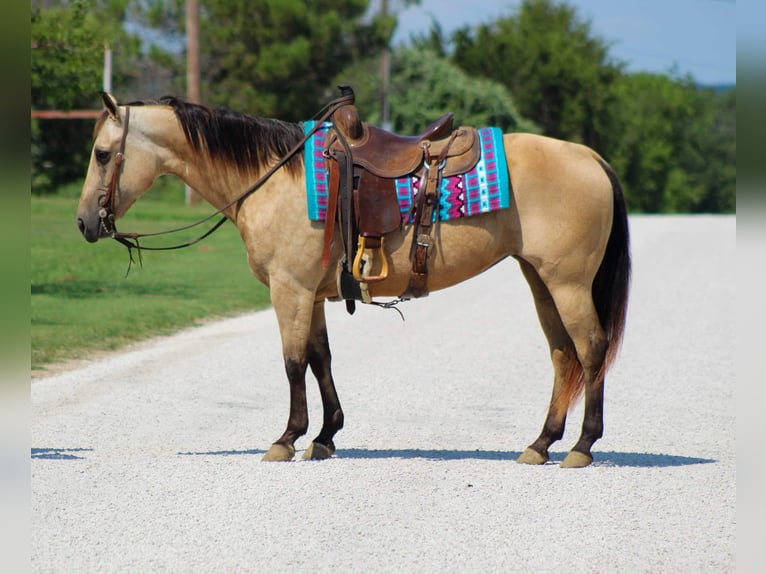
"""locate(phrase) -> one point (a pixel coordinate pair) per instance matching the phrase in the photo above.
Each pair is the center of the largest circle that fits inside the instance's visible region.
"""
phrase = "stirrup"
(356, 268)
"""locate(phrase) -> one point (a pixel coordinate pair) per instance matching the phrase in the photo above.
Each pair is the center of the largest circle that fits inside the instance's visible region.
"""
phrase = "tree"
(674, 145)
(424, 86)
(276, 58)
(716, 166)
(68, 40)
(558, 71)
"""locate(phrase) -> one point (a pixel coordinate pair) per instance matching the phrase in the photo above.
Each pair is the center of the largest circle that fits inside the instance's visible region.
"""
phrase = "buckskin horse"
(565, 223)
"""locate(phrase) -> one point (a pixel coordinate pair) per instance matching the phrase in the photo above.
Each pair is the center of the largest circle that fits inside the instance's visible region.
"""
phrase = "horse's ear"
(110, 103)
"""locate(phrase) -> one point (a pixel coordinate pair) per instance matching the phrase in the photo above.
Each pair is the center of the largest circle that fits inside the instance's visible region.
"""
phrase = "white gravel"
(149, 460)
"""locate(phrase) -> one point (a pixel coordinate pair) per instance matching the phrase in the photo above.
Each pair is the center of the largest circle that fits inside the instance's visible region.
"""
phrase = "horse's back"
(555, 169)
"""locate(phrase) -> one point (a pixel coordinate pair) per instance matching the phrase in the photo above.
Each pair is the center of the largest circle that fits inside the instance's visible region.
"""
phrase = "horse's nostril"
(81, 225)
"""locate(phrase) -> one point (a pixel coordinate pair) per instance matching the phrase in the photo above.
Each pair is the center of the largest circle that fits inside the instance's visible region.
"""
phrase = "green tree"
(424, 86)
(548, 58)
(716, 167)
(276, 58)
(68, 40)
(67, 48)
(674, 145)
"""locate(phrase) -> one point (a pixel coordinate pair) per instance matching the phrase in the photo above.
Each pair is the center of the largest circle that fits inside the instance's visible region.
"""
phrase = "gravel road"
(149, 460)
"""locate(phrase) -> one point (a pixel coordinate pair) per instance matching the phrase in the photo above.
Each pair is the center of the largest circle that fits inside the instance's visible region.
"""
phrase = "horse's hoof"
(530, 456)
(576, 459)
(318, 451)
(279, 453)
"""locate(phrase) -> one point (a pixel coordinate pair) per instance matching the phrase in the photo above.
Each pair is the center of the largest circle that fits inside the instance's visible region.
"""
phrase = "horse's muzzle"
(93, 230)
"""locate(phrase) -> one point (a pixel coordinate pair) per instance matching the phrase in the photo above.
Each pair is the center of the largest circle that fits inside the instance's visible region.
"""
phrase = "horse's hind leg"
(319, 360)
(562, 355)
(579, 316)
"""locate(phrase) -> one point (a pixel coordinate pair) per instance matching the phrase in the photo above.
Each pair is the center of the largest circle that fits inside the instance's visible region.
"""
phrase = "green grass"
(81, 300)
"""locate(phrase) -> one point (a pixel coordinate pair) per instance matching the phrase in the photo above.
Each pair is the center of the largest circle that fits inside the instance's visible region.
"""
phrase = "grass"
(82, 302)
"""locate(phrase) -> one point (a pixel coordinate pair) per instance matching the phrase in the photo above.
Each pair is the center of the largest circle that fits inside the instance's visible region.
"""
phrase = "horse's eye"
(102, 156)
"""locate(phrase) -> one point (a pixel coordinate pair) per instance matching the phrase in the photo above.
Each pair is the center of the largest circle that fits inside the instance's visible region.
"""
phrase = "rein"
(131, 240)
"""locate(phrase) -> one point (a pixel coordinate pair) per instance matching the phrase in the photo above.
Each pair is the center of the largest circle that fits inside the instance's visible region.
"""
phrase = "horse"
(566, 226)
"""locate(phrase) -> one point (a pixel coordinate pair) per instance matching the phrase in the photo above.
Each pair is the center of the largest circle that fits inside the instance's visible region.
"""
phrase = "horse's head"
(121, 168)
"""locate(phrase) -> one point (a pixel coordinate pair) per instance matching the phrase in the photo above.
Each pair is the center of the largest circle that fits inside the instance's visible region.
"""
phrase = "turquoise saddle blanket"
(483, 189)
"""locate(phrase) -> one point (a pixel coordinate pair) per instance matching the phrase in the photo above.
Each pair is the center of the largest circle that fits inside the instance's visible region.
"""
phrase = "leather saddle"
(390, 155)
(364, 162)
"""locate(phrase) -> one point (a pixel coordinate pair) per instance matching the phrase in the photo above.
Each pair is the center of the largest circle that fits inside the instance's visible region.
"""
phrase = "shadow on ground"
(59, 453)
(601, 459)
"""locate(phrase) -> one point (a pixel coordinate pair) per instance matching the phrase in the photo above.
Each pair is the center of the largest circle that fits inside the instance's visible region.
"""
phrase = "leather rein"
(131, 240)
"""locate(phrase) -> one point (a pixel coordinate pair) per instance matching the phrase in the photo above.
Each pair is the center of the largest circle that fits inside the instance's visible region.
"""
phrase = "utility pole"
(192, 71)
(385, 73)
(107, 69)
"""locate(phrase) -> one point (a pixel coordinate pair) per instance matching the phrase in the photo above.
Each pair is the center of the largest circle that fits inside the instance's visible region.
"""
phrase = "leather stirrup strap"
(346, 205)
(332, 215)
(345, 212)
(421, 238)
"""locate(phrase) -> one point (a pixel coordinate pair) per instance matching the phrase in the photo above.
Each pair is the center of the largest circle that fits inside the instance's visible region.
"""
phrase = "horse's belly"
(461, 249)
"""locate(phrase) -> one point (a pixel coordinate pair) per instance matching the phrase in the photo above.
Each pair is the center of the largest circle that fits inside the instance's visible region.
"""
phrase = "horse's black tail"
(611, 285)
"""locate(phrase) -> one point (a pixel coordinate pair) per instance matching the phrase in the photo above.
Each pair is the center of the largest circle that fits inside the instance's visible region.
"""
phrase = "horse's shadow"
(601, 459)
(59, 453)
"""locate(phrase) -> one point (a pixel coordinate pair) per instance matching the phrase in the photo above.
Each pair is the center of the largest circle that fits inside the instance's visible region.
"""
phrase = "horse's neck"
(219, 183)
(216, 184)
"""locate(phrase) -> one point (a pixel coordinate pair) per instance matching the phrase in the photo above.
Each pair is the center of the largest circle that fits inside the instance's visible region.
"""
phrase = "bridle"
(106, 202)
(106, 211)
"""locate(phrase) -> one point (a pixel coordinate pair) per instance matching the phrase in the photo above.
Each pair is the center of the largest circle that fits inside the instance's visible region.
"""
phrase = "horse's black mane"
(238, 139)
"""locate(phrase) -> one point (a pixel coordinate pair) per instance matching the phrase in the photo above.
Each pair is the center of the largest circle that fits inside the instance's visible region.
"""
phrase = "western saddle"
(363, 163)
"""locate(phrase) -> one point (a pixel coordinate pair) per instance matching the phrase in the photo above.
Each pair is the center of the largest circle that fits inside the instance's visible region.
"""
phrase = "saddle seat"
(390, 155)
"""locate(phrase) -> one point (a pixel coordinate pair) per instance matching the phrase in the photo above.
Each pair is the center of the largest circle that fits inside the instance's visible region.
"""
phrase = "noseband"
(106, 202)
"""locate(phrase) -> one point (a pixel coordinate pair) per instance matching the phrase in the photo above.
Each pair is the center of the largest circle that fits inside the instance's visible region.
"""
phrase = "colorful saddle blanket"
(483, 189)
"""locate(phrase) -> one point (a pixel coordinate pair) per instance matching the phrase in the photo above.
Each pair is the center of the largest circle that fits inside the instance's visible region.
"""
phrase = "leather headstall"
(106, 202)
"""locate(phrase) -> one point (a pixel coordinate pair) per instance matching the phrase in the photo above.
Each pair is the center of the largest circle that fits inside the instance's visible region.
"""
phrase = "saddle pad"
(484, 188)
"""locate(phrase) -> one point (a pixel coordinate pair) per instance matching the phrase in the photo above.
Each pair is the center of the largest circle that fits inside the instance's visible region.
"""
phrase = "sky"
(696, 37)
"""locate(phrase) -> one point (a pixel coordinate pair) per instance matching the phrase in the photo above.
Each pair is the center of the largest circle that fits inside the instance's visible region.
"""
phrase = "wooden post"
(385, 72)
(192, 71)
(107, 69)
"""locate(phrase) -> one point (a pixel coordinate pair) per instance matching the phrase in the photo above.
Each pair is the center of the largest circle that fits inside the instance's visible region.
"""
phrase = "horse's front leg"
(294, 308)
(319, 360)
